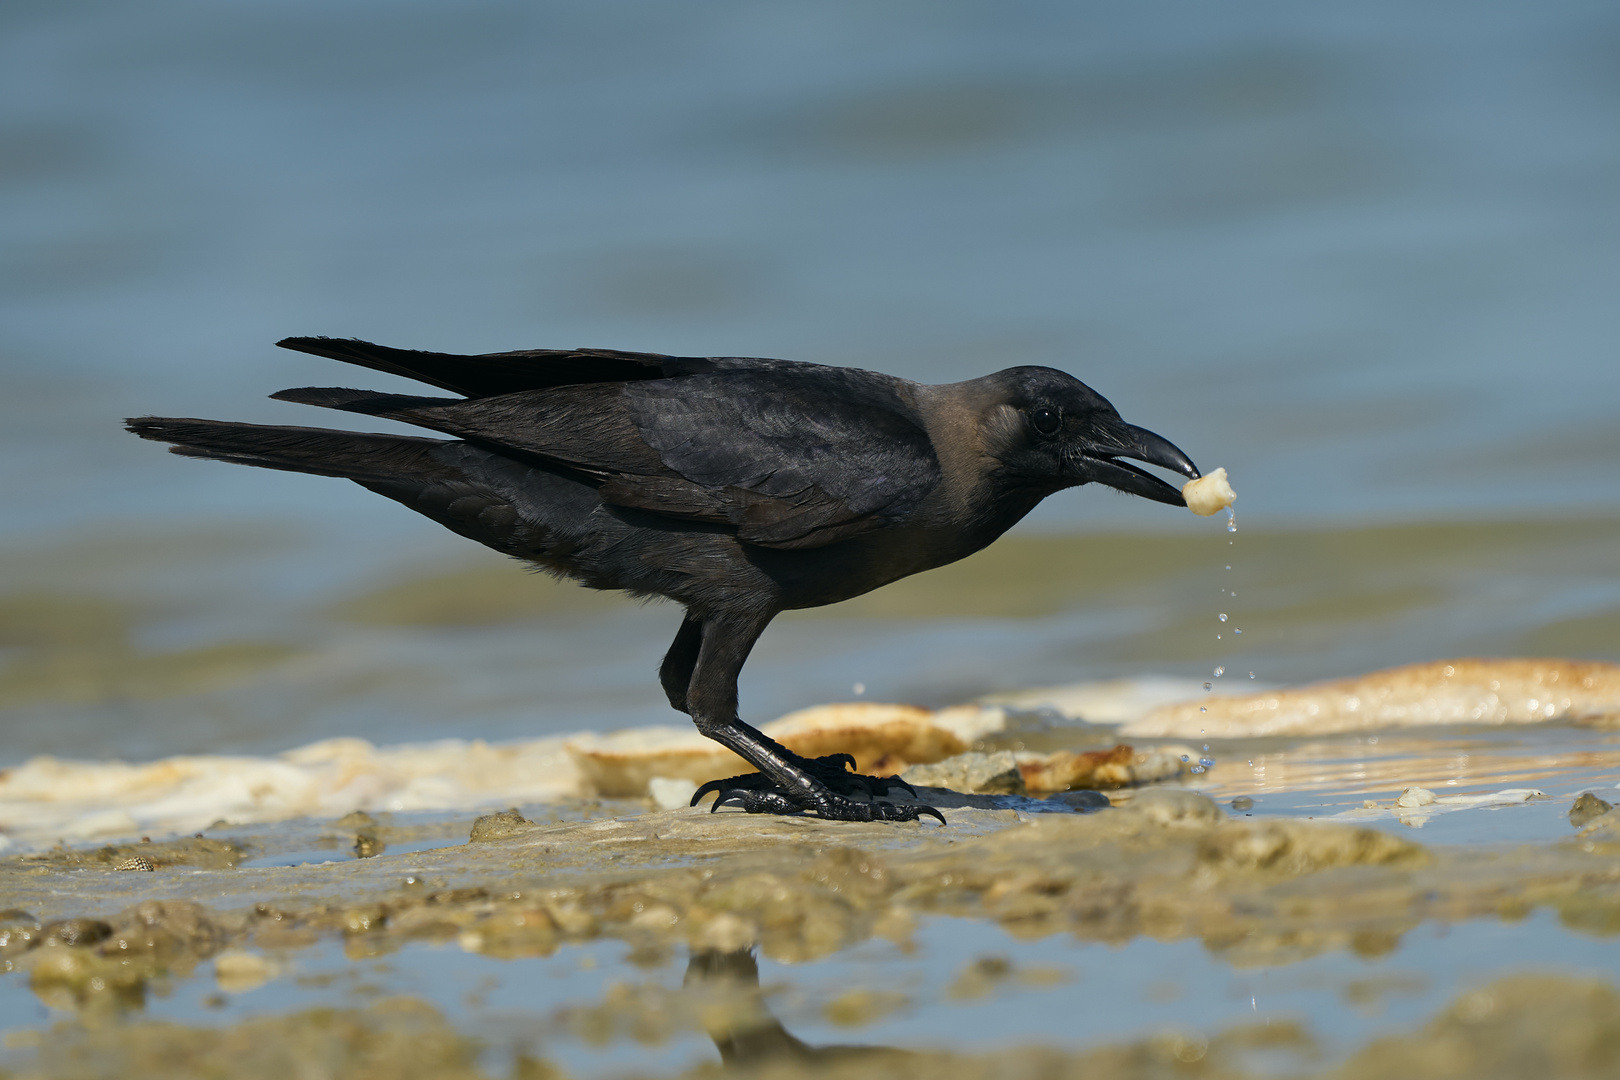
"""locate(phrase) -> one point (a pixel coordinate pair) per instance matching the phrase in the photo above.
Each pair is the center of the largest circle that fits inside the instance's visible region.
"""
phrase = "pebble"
(1416, 796)
(237, 971)
(499, 826)
(1082, 801)
(972, 773)
(1587, 806)
(670, 792)
(1174, 806)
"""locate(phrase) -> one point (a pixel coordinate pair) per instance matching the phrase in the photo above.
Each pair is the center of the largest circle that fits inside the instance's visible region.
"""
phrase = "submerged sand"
(1173, 865)
(103, 935)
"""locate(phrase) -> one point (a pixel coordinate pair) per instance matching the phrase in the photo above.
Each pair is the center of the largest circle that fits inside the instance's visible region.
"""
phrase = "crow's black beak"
(1111, 439)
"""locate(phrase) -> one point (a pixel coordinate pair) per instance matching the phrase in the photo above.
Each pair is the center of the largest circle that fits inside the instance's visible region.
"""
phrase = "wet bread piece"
(1209, 494)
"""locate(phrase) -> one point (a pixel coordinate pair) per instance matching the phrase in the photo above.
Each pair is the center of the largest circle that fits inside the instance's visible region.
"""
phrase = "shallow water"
(1037, 942)
(1362, 256)
(959, 985)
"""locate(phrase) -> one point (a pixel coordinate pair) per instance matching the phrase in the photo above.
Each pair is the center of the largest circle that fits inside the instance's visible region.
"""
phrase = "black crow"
(738, 487)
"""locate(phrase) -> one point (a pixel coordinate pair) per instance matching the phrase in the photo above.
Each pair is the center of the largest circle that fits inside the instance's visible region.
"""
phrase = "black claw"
(704, 789)
(895, 781)
(757, 802)
(745, 782)
(832, 782)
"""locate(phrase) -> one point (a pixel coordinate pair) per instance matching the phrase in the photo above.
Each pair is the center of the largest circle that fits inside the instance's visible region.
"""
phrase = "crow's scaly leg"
(711, 699)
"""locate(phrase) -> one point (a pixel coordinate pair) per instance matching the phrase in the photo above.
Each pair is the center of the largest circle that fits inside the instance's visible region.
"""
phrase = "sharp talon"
(745, 782)
(725, 798)
(930, 811)
(712, 785)
(846, 760)
(895, 781)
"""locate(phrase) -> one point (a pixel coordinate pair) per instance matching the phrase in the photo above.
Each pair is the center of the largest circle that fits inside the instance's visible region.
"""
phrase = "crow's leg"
(675, 673)
(833, 770)
(787, 785)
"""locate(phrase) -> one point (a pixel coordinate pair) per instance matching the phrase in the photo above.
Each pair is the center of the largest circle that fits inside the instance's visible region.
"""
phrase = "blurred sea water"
(1364, 256)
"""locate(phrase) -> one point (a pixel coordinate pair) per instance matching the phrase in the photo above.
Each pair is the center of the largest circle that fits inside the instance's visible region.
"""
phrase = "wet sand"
(1212, 923)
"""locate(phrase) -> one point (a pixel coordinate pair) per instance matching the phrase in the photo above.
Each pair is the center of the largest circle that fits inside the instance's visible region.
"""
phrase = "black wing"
(792, 455)
(491, 374)
(796, 456)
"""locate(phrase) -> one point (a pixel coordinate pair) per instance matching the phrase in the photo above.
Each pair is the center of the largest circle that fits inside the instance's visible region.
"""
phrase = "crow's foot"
(773, 800)
(833, 771)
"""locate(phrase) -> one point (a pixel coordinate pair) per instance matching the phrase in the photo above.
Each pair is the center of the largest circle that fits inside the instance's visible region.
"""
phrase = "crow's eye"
(1046, 420)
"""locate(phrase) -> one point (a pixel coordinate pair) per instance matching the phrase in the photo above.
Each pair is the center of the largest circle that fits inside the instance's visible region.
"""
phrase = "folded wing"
(791, 455)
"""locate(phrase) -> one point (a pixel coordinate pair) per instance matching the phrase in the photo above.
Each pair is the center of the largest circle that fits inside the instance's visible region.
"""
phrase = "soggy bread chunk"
(1209, 494)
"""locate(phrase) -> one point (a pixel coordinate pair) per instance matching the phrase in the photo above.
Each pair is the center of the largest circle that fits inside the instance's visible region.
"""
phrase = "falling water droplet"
(859, 688)
(1251, 674)
(1229, 568)
(1223, 616)
(1184, 757)
(1209, 686)
(1251, 763)
(1231, 520)
(1235, 630)
(1203, 708)
(1220, 671)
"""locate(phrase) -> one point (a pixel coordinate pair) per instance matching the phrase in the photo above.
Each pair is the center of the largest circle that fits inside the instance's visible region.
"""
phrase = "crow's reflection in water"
(747, 1033)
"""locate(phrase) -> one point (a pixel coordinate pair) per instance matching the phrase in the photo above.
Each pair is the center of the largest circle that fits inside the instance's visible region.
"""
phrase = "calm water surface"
(1364, 256)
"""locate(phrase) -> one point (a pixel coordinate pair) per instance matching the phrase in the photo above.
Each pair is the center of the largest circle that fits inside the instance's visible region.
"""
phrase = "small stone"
(238, 971)
(75, 932)
(971, 773)
(670, 792)
(499, 826)
(1175, 806)
(1242, 802)
(1587, 806)
(1415, 796)
(139, 862)
(1082, 801)
(367, 845)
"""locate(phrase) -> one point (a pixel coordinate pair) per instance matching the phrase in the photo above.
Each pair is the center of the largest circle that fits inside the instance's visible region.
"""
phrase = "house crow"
(738, 487)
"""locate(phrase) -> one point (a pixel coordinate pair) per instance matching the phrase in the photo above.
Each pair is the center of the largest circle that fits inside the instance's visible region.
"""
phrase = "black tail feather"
(353, 455)
(366, 402)
(489, 374)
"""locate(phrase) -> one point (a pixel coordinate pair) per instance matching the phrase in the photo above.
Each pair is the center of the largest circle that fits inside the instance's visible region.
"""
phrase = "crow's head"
(1047, 428)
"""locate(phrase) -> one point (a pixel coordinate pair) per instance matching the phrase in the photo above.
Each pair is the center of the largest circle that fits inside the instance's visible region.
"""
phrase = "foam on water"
(47, 799)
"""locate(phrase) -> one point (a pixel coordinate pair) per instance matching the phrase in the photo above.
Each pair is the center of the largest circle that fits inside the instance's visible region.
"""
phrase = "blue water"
(1373, 242)
(1095, 994)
